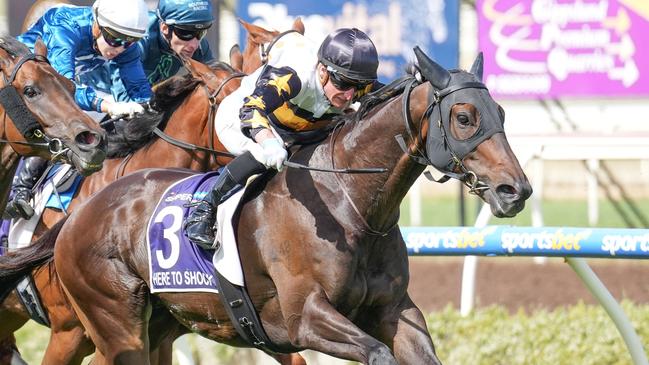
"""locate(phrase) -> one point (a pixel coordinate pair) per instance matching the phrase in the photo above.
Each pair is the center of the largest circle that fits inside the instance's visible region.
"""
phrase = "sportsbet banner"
(565, 48)
(394, 26)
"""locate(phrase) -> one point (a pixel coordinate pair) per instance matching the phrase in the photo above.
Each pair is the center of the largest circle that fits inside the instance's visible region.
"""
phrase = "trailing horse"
(323, 259)
(40, 117)
(187, 107)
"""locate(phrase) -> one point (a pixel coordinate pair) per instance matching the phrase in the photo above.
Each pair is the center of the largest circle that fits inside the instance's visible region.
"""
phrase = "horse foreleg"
(320, 327)
(404, 329)
(9, 354)
(67, 347)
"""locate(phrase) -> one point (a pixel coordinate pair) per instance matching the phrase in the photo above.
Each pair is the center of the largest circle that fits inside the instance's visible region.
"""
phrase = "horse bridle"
(265, 51)
(466, 176)
(22, 117)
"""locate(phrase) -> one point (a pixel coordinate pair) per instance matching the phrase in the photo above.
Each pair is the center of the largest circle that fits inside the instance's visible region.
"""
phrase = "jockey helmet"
(186, 14)
(350, 53)
(111, 14)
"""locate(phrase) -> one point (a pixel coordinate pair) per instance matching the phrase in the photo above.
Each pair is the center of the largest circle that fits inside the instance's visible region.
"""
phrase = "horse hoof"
(381, 356)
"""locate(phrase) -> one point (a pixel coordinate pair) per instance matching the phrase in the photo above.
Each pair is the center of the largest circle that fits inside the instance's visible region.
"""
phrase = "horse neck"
(372, 141)
(8, 163)
(188, 123)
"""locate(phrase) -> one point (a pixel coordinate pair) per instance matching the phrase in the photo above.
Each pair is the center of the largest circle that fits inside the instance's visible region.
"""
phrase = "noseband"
(22, 117)
(466, 176)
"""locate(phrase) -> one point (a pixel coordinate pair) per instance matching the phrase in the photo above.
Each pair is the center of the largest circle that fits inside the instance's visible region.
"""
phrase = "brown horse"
(194, 111)
(186, 103)
(258, 42)
(323, 259)
(66, 133)
(49, 124)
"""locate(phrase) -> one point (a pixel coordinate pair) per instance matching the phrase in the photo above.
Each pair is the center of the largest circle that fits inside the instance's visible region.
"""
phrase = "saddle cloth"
(21, 231)
(175, 263)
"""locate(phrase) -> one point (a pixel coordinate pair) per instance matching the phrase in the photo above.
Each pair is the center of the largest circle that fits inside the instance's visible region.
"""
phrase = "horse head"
(258, 42)
(45, 119)
(465, 137)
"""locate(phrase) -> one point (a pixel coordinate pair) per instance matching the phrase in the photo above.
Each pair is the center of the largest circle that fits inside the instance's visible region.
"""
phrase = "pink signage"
(565, 48)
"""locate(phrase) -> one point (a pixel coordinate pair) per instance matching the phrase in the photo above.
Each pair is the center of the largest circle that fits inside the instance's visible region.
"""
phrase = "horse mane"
(12, 46)
(377, 97)
(167, 96)
(138, 132)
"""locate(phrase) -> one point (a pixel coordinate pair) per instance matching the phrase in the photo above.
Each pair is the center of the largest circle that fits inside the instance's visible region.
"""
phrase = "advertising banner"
(394, 26)
(565, 48)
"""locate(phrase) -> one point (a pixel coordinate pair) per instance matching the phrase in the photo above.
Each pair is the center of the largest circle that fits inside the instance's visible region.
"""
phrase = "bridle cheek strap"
(15, 107)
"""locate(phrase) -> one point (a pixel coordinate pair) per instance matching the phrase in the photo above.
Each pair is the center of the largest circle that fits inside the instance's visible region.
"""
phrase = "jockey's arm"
(131, 72)
(274, 87)
(62, 45)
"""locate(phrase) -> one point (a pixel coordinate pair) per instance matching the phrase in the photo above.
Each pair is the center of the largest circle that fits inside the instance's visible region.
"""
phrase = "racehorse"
(259, 41)
(185, 120)
(323, 259)
(40, 118)
(188, 123)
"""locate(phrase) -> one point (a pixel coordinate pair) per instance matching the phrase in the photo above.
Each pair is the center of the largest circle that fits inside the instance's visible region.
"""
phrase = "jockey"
(176, 28)
(291, 99)
(79, 41)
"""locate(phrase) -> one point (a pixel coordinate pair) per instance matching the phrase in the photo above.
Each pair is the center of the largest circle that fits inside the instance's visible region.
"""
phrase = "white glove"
(124, 109)
(274, 153)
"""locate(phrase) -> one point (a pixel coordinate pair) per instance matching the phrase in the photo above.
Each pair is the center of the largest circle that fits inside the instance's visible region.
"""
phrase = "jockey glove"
(274, 153)
(125, 109)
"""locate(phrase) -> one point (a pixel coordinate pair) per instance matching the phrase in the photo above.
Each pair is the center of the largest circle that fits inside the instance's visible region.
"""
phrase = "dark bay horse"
(323, 258)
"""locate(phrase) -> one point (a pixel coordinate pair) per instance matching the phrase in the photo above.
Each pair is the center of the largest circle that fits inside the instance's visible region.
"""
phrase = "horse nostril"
(507, 193)
(88, 139)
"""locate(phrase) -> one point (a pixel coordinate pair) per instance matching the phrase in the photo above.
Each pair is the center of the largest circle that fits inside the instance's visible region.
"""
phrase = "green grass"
(567, 213)
(577, 335)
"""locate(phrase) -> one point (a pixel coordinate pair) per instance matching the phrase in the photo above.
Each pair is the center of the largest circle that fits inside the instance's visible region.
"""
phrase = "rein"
(264, 52)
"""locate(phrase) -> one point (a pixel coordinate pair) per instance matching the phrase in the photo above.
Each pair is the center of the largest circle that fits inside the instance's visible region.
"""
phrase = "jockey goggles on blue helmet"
(188, 19)
(350, 57)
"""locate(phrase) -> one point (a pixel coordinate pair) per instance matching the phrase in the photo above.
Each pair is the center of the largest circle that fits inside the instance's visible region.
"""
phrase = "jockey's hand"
(274, 153)
(124, 109)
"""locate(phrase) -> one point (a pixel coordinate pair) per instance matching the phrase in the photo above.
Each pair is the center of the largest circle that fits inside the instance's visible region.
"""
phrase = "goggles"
(116, 39)
(189, 34)
(343, 83)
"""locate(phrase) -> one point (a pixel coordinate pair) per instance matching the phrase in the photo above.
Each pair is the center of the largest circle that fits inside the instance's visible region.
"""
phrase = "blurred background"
(573, 78)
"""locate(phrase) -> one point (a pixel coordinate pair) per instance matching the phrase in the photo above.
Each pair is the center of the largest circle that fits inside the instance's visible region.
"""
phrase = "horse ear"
(236, 58)
(255, 33)
(436, 74)
(39, 48)
(476, 69)
(298, 25)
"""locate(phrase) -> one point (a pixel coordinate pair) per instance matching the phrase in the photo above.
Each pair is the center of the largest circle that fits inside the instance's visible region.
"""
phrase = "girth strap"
(243, 315)
(26, 290)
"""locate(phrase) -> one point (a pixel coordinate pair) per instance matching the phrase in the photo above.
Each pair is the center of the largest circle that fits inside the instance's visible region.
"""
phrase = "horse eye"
(30, 92)
(463, 119)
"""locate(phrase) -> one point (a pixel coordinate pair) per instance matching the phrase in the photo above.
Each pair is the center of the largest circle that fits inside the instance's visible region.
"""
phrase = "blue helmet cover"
(194, 12)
